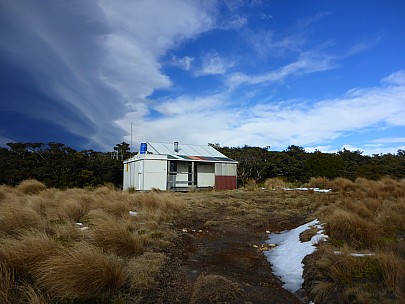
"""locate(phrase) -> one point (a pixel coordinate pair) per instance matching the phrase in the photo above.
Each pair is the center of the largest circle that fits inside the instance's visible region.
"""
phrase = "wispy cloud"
(184, 63)
(214, 64)
(90, 62)
(307, 63)
(397, 78)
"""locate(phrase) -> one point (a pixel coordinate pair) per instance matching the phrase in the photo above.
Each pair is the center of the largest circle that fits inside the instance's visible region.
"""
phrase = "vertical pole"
(130, 146)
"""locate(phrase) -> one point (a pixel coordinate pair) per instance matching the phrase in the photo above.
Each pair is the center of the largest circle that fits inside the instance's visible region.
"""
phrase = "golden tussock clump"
(115, 236)
(341, 184)
(25, 252)
(319, 182)
(31, 186)
(82, 271)
(16, 216)
(275, 183)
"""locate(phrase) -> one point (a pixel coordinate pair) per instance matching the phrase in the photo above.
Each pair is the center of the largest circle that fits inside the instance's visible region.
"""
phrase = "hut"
(181, 167)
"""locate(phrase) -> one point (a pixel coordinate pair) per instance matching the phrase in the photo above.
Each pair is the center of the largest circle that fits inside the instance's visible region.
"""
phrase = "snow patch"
(307, 189)
(286, 258)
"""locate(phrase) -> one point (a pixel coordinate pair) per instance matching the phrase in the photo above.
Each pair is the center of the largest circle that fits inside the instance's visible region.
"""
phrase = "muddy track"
(227, 252)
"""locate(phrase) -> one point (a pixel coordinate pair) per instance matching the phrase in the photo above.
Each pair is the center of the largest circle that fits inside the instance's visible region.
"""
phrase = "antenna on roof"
(130, 146)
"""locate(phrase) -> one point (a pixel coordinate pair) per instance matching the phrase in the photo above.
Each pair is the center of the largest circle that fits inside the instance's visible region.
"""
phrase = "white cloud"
(306, 64)
(212, 119)
(184, 63)
(370, 150)
(397, 78)
(92, 61)
(389, 140)
(214, 64)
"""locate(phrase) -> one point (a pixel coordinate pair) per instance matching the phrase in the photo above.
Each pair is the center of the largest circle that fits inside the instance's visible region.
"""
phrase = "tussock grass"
(341, 184)
(319, 182)
(31, 186)
(214, 289)
(347, 226)
(16, 216)
(27, 251)
(46, 257)
(369, 217)
(393, 268)
(275, 183)
(250, 185)
(115, 236)
(83, 271)
(7, 283)
(143, 271)
(31, 295)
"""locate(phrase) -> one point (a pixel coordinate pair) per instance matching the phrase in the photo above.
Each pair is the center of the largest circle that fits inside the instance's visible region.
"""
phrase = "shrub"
(83, 271)
(31, 186)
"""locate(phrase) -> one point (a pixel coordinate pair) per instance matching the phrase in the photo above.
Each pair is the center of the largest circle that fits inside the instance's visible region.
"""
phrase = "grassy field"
(109, 246)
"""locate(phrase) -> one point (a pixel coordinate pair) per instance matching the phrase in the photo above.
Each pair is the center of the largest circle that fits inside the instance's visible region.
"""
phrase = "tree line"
(60, 166)
(296, 165)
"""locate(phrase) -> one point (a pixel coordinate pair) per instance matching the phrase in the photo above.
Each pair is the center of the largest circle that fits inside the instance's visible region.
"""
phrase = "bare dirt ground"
(221, 234)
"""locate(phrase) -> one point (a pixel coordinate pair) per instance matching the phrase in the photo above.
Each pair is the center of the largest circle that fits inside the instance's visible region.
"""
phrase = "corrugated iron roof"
(184, 150)
(201, 158)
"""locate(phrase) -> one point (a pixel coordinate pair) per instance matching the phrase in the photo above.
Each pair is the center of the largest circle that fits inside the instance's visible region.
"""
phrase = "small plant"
(214, 289)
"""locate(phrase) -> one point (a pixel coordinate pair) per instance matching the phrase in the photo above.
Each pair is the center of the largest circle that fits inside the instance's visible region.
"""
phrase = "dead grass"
(45, 255)
(7, 283)
(115, 236)
(342, 185)
(370, 217)
(393, 268)
(275, 183)
(49, 258)
(31, 186)
(83, 271)
(144, 270)
(15, 216)
(250, 185)
(214, 289)
(319, 182)
(26, 251)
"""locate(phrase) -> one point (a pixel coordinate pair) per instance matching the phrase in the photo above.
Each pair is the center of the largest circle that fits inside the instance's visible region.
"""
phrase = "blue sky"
(321, 74)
